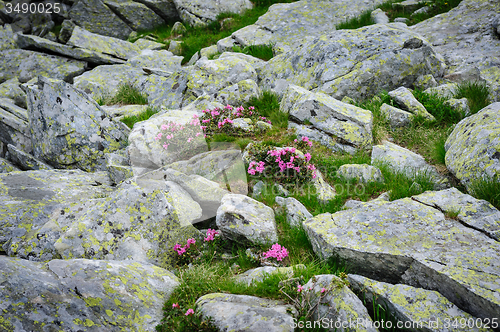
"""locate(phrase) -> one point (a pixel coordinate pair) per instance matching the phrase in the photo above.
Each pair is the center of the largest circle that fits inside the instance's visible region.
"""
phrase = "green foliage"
(357, 22)
(146, 114)
(268, 105)
(452, 213)
(487, 189)
(434, 104)
(477, 94)
(439, 152)
(264, 52)
(127, 94)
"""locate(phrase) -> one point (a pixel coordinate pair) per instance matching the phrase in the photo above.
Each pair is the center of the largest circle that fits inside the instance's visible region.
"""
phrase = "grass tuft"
(268, 105)
(127, 94)
(357, 22)
(146, 114)
(487, 189)
(477, 94)
(264, 52)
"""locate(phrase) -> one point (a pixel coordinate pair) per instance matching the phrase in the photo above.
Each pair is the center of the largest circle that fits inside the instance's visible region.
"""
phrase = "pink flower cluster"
(277, 252)
(211, 233)
(306, 140)
(177, 135)
(221, 124)
(188, 312)
(182, 249)
(259, 167)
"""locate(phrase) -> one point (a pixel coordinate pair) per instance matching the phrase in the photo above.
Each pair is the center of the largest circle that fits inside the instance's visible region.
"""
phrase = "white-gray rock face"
(397, 117)
(7, 41)
(347, 123)
(444, 90)
(459, 105)
(14, 127)
(467, 40)
(243, 312)
(239, 93)
(363, 173)
(337, 303)
(413, 243)
(10, 89)
(137, 15)
(68, 129)
(6, 166)
(243, 219)
(357, 63)
(379, 16)
(25, 160)
(260, 273)
(295, 211)
(413, 306)
(405, 161)
(405, 99)
(81, 294)
(199, 13)
(473, 148)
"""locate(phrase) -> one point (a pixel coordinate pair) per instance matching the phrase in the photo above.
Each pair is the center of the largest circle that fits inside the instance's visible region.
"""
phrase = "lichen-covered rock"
(337, 303)
(473, 147)
(137, 15)
(137, 221)
(410, 242)
(7, 41)
(118, 167)
(108, 45)
(91, 56)
(208, 77)
(444, 90)
(324, 192)
(163, 60)
(357, 63)
(25, 160)
(321, 137)
(424, 82)
(105, 80)
(413, 306)
(178, 29)
(175, 46)
(118, 112)
(146, 153)
(354, 204)
(397, 117)
(241, 218)
(187, 209)
(199, 13)
(252, 35)
(243, 312)
(167, 91)
(81, 294)
(40, 196)
(95, 16)
(14, 127)
(260, 273)
(459, 105)
(347, 123)
(363, 173)
(379, 16)
(164, 8)
(408, 5)
(29, 64)
(239, 93)
(466, 39)
(405, 161)
(68, 129)
(404, 98)
(295, 211)
(146, 44)
(10, 89)
(6, 166)
(477, 213)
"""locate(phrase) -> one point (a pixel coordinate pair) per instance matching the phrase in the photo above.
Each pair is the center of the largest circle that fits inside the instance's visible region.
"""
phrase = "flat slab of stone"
(81, 294)
(244, 312)
(415, 306)
(396, 116)
(25, 160)
(406, 100)
(197, 13)
(410, 242)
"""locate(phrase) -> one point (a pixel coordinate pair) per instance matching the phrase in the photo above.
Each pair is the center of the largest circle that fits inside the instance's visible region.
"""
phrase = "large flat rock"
(410, 242)
(81, 294)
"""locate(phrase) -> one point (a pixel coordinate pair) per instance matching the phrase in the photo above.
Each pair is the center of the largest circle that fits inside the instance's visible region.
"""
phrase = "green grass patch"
(264, 52)
(127, 94)
(487, 189)
(146, 114)
(357, 22)
(477, 94)
(268, 105)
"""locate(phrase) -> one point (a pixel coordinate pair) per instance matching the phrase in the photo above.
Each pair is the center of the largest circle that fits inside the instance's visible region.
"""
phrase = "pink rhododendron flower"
(211, 233)
(164, 127)
(300, 288)
(323, 290)
(175, 305)
(277, 252)
(307, 156)
(189, 312)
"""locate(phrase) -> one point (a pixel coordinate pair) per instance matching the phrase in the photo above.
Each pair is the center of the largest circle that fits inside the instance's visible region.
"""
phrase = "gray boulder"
(197, 13)
(27, 65)
(108, 45)
(7, 41)
(25, 160)
(405, 99)
(425, 81)
(6, 166)
(14, 128)
(337, 304)
(260, 273)
(413, 243)
(322, 189)
(419, 309)
(363, 173)
(239, 93)
(164, 8)
(137, 15)
(68, 129)
(39, 197)
(357, 63)
(347, 123)
(81, 294)
(244, 312)
(472, 149)
(208, 77)
(163, 60)
(241, 218)
(295, 211)
(10, 89)
(466, 39)
(118, 167)
(459, 105)
(94, 56)
(405, 161)
(95, 16)
(187, 209)
(444, 90)
(395, 116)
(408, 5)
(379, 16)
(320, 137)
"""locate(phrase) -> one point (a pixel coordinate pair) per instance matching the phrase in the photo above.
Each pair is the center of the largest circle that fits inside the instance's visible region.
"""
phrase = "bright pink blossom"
(189, 312)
